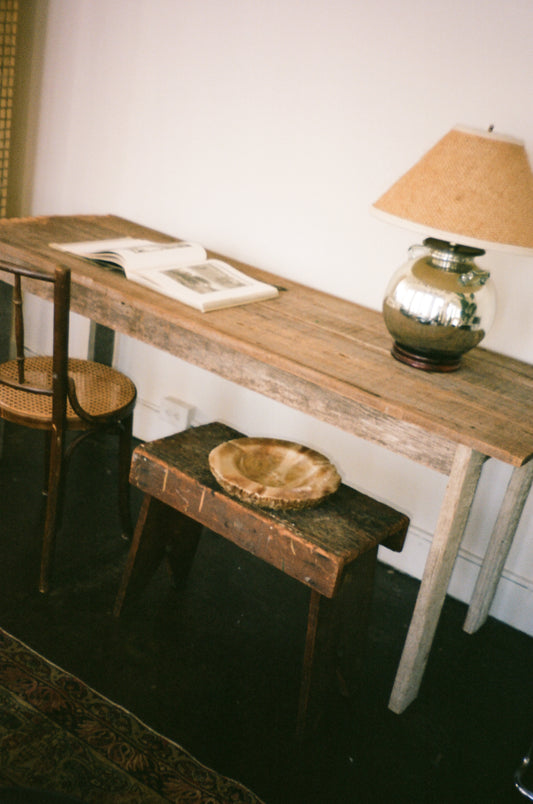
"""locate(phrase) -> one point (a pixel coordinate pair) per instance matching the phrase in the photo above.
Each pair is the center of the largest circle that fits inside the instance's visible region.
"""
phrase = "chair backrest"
(25, 278)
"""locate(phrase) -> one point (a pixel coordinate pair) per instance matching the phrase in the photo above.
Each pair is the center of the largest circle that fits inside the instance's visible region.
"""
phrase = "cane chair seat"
(57, 394)
(101, 391)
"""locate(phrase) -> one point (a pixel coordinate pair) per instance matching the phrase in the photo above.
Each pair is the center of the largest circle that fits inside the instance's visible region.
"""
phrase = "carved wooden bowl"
(272, 473)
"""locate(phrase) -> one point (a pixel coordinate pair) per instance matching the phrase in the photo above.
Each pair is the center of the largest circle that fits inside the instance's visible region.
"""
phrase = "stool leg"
(184, 535)
(319, 662)
(336, 634)
(158, 527)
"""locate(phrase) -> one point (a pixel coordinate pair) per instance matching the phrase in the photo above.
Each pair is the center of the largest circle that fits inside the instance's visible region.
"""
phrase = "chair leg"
(54, 494)
(124, 461)
(46, 461)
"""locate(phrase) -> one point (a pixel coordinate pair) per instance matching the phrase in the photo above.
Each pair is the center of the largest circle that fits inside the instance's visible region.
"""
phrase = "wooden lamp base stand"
(424, 360)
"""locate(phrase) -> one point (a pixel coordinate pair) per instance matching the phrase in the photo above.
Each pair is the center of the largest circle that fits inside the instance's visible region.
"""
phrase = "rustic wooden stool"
(332, 548)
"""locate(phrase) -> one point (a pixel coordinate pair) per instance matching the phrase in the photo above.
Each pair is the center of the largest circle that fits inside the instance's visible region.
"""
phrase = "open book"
(178, 269)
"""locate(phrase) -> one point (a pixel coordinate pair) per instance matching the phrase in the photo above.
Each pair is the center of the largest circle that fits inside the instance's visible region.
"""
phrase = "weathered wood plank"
(160, 532)
(317, 353)
(329, 358)
(498, 549)
(312, 545)
(471, 400)
(336, 638)
(332, 548)
(439, 565)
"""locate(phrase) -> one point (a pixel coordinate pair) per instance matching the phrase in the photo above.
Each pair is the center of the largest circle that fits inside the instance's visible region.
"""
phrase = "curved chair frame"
(66, 410)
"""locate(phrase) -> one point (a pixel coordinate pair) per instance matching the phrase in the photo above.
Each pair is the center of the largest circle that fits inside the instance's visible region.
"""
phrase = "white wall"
(265, 129)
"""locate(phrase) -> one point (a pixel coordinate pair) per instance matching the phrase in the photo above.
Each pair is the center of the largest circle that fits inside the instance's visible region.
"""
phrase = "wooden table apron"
(330, 358)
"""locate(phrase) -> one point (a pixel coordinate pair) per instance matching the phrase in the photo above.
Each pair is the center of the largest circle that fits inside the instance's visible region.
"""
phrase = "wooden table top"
(320, 354)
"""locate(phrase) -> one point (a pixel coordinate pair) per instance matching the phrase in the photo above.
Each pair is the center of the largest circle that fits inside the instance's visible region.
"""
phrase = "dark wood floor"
(215, 665)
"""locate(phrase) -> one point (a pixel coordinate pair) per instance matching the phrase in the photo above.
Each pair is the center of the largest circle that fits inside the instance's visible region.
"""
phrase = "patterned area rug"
(59, 735)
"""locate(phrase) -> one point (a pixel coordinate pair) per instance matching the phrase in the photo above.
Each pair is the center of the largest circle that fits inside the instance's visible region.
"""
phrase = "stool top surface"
(347, 524)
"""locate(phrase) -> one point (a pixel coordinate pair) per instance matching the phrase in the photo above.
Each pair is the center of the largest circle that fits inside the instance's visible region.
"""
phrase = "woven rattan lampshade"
(472, 187)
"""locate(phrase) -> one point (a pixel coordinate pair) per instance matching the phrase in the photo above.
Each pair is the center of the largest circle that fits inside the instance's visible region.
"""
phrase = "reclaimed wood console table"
(331, 359)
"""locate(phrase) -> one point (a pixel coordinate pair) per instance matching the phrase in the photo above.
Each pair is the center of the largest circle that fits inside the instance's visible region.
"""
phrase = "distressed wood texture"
(336, 639)
(324, 356)
(317, 353)
(502, 538)
(331, 548)
(439, 565)
(312, 545)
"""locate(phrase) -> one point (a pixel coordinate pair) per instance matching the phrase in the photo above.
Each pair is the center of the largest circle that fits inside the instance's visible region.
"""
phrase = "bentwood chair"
(59, 394)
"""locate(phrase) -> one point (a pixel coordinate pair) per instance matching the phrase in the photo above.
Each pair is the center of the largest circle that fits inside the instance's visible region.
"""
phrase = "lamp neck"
(452, 256)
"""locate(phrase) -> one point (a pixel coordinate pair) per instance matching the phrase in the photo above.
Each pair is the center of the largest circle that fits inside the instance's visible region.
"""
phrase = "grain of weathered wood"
(502, 537)
(332, 548)
(160, 532)
(312, 545)
(335, 642)
(439, 565)
(312, 351)
(318, 354)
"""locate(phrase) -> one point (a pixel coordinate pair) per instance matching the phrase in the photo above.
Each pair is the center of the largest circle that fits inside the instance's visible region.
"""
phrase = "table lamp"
(471, 192)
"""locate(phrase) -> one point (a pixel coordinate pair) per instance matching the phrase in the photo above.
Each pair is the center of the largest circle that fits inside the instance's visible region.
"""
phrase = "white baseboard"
(513, 602)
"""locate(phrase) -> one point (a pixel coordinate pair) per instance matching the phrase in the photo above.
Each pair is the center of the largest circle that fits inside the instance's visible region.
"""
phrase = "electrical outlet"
(178, 412)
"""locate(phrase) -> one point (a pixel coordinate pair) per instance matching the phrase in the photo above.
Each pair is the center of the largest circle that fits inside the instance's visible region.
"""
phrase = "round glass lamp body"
(438, 305)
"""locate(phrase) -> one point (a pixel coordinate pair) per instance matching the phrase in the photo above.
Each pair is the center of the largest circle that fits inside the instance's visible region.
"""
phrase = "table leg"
(499, 546)
(462, 484)
(101, 344)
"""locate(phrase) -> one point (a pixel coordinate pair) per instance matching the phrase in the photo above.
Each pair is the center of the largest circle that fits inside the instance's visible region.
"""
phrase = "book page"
(177, 269)
(134, 255)
(210, 285)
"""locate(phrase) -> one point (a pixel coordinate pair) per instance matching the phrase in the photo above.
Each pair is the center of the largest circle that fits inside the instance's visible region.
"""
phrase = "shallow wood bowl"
(272, 473)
